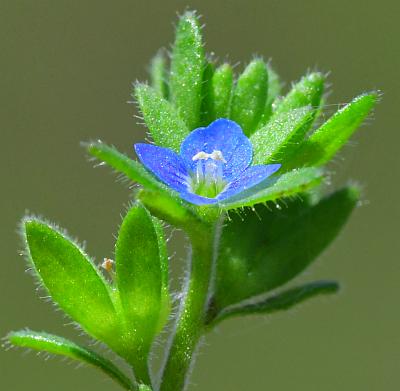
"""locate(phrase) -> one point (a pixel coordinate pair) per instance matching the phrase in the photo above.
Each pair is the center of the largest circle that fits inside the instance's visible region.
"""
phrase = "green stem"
(190, 323)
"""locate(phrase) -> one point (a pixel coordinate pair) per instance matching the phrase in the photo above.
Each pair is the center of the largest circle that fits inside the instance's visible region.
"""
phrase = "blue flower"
(213, 164)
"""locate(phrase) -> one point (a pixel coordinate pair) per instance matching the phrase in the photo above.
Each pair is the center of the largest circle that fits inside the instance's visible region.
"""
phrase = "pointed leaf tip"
(54, 344)
(249, 96)
(282, 301)
(331, 136)
(124, 165)
(307, 92)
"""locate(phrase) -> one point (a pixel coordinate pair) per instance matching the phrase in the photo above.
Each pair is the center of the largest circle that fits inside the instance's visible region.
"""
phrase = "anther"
(214, 155)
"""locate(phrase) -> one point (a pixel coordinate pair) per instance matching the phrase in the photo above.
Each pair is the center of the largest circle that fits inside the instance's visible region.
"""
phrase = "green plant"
(237, 166)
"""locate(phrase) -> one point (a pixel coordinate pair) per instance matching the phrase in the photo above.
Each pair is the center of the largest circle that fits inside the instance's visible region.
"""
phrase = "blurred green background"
(65, 74)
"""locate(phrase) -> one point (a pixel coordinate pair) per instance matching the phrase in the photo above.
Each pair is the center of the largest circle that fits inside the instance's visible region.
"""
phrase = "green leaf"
(274, 89)
(71, 278)
(159, 74)
(139, 281)
(164, 266)
(326, 141)
(281, 301)
(249, 96)
(286, 185)
(123, 164)
(307, 92)
(207, 114)
(222, 85)
(57, 345)
(165, 124)
(261, 251)
(274, 84)
(187, 64)
(283, 133)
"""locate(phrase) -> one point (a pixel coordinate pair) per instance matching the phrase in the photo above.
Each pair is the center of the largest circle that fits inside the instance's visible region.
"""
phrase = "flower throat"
(207, 180)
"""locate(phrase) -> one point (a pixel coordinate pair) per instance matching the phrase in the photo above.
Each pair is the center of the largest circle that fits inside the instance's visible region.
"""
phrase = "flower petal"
(165, 164)
(249, 178)
(221, 135)
(197, 199)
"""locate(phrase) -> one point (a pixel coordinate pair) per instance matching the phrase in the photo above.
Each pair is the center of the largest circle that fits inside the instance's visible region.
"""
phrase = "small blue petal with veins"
(213, 164)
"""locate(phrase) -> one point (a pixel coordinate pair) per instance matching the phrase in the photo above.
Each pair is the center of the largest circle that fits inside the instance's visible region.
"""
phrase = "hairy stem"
(190, 323)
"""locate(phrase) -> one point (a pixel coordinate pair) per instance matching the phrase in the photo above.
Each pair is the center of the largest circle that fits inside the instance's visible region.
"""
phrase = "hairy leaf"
(307, 92)
(263, 250)
(173, 210)
(71, 279)
(57, 345)
(249, 96)
(222, 84)
(159, 74)
(326, 141)
(286, 185)
(138, 272)
(274, 89)
(124, 165)
(282, 134)
(164, 266)
(165, 124)
(207, 113)
(187, 64)
(279, 302)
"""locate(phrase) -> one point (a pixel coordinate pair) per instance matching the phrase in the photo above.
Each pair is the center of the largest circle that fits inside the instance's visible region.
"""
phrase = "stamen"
(217, 155)
(199, 171)
(201, 156)
(214, 155)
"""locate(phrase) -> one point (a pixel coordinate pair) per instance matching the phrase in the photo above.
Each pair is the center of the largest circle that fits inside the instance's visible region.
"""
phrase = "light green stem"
(190, 324)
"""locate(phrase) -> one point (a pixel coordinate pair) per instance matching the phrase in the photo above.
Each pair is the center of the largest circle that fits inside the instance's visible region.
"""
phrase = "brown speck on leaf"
(107, 265)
